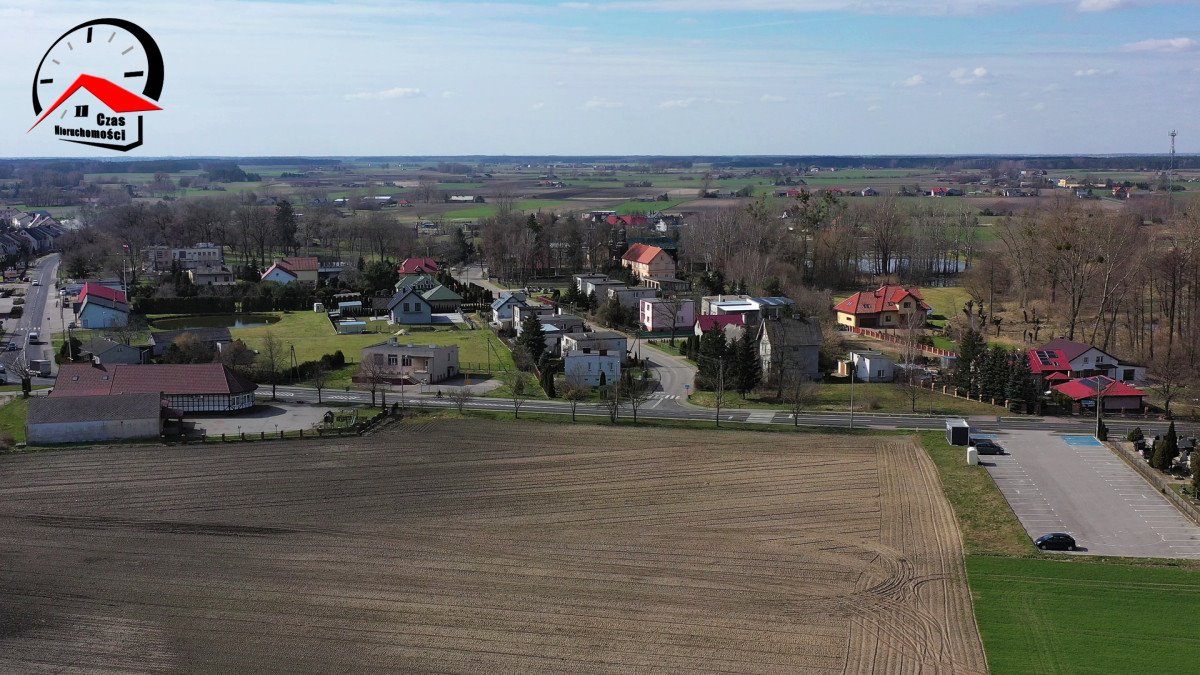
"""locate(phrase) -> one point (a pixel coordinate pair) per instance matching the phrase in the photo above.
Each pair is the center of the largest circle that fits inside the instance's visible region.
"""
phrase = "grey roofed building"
(106, 351)
(83, 419)
(44, 409)
(161, 340)
(790, 346)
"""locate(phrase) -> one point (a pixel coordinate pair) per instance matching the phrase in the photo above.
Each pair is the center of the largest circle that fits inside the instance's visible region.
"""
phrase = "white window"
(406, 360)
(393, 359)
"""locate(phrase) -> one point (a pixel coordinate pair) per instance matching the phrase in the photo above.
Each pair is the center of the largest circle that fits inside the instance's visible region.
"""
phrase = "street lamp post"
(853, 372)
(1098, 404)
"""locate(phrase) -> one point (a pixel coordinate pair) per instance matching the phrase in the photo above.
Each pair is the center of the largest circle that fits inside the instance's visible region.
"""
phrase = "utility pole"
(853, 372)
(720, 386)
(1098, 400)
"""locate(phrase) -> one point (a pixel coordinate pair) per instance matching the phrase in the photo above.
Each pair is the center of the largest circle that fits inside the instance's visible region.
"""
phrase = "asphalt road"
(666, 408)
(36, 314)
(1073, 484)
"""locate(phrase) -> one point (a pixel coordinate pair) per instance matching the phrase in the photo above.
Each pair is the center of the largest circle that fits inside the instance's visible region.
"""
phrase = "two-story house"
(885, 307)
(648, 262)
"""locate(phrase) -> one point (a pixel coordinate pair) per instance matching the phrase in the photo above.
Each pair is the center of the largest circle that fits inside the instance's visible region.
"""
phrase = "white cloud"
(964, 76)
(914, 81)
(884, 7)
(677, 103)
(772, 98)
(1038, 106)
(835, 94)
(394, 92)
(602, 103)
(1092, 72)
(537, 106)
(1167, 45)
(580, 50)
(1099, 5)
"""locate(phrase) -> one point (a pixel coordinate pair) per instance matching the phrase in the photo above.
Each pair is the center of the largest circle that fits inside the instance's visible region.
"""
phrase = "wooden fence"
(928, 350)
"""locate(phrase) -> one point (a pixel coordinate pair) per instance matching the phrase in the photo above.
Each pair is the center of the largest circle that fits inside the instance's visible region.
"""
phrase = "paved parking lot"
(1066, 483)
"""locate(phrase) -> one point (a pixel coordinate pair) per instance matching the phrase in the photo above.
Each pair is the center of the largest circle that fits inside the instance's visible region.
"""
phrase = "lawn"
(1046, 616)
(873, 397)
(632, 207)
(313, 337)
(12, 419)
(1068, 614)
(523, 206)
(946, 301)
(987, 522)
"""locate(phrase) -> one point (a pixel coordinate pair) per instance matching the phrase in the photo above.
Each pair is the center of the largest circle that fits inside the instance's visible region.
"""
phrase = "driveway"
(1073, 483)
(264, 417)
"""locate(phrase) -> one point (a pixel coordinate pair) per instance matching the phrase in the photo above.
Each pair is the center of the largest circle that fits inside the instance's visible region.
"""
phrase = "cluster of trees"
(519, 248)
(255, 231)
(725, 365)
(825, 241)
(1104, 278)
(993, 372)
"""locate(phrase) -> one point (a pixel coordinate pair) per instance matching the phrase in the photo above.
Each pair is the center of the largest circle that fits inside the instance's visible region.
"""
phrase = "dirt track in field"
(486, 547)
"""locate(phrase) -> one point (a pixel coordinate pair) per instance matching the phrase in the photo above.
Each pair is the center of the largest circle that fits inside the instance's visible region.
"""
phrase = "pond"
(215, 321)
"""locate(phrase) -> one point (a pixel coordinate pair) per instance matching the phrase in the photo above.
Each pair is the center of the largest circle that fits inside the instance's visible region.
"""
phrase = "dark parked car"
(1056, 541)
(986, 446)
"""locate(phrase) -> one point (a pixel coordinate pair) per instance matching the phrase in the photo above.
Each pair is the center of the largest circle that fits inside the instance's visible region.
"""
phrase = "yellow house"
(886, 307)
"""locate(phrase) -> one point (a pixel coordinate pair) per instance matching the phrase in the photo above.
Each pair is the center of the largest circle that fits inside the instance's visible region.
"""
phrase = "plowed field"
(485, 546)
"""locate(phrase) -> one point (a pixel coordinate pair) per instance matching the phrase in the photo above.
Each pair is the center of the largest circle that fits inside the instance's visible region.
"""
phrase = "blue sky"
(642, 76)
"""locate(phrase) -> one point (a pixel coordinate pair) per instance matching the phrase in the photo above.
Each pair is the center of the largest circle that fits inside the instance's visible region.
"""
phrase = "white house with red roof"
(1084, 359)
(101, 307)
(885, 307)
(1117, 396)
(1049, 366)
(306, 270)
(648, 262)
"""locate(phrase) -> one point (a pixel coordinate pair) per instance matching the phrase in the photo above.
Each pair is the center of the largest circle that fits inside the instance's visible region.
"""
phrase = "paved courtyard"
(1074, 484)
(265, 417)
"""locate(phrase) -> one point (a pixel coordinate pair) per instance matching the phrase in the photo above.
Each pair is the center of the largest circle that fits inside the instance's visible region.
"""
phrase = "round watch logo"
(96, 80)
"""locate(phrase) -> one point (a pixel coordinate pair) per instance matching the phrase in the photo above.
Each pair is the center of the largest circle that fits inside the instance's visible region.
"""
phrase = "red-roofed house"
(1084, 359)
(306, 270)
(733, 324)
(885, 307)
(101, 307)
(188, 387)
(649, 262)
(1050, 366)
(633, 220)
(1117, 396)
(418, 266)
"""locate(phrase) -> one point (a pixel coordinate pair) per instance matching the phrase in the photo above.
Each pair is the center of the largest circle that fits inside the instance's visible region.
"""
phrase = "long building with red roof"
(188, 387)
(1116, 395)
(885, 307)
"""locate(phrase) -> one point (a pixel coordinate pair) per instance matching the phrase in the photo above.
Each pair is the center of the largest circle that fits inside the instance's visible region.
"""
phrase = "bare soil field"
(484, 547)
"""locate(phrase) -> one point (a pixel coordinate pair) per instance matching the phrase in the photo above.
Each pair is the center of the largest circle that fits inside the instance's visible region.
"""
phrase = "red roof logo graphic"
(118, 99)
